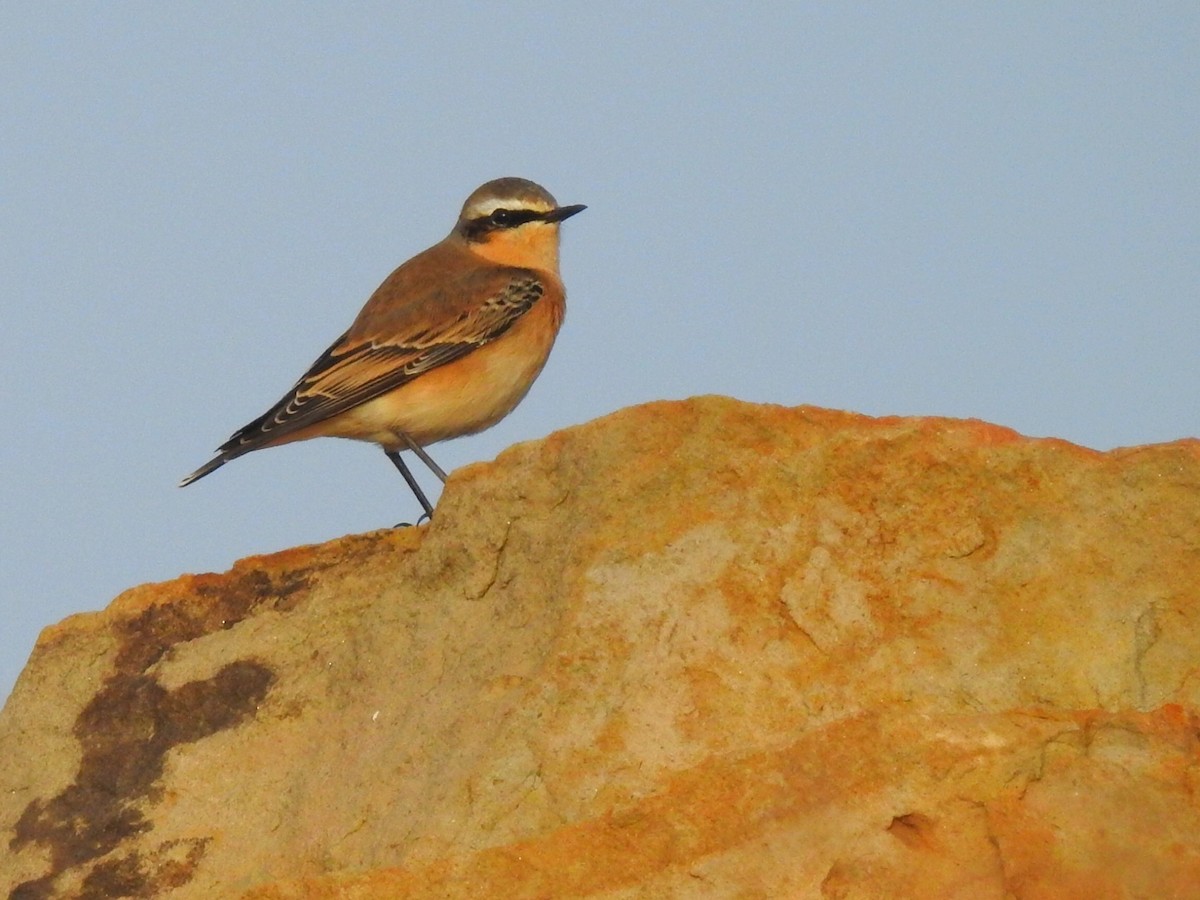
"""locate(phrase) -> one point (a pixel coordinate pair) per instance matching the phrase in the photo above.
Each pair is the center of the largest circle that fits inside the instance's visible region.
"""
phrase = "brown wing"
(373, 358)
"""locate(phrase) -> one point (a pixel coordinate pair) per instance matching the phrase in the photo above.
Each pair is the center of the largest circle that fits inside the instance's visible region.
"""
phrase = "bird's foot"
(424, 517)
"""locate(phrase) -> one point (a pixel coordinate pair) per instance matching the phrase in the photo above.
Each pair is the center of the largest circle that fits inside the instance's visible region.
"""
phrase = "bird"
(447, 346)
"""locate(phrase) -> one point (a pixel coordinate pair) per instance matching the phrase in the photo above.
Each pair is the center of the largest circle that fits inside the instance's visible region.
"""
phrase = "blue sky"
(970, 210)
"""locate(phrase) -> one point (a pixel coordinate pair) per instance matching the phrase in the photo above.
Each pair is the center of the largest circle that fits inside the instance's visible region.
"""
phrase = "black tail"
(243, 441)
(211, 466)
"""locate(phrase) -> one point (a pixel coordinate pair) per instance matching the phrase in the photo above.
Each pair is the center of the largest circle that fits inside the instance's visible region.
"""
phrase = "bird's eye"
(502, 218)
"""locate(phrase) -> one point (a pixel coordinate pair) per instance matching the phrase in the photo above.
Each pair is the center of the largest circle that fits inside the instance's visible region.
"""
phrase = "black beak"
(563, 212)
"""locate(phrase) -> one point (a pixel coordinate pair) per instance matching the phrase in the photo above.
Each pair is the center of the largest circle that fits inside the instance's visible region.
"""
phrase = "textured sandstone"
(695, 649)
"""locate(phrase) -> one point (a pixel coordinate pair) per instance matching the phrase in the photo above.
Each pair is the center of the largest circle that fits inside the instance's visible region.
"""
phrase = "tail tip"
(210, 466)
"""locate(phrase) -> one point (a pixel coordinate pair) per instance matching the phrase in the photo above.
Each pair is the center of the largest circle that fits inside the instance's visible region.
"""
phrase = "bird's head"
(513, 222)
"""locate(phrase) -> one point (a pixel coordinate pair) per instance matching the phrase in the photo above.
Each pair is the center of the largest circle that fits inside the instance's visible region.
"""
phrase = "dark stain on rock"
(36, 889)
(146, 637)
(170, 865)
(125, 733)
(129, 726)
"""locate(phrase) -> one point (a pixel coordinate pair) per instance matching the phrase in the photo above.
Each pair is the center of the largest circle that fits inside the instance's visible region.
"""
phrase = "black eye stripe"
(499, 219)
(511, 218)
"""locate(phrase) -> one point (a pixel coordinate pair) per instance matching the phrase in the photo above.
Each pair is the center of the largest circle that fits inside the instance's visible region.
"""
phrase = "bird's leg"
(424, 457)
(394, 456)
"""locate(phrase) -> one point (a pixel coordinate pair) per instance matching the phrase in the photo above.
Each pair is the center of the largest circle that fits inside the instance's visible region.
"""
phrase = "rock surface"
(693, 649)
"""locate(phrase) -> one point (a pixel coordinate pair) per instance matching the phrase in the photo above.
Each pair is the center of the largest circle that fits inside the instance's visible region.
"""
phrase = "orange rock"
(693, 649)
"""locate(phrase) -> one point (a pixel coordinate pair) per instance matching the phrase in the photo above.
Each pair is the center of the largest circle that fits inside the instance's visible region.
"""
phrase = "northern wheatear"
(448, 345)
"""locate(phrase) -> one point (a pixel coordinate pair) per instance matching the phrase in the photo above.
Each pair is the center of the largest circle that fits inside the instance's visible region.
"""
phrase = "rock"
(693, 649)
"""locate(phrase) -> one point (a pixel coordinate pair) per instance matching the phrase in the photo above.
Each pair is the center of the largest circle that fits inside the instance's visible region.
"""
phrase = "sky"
(972, 210)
